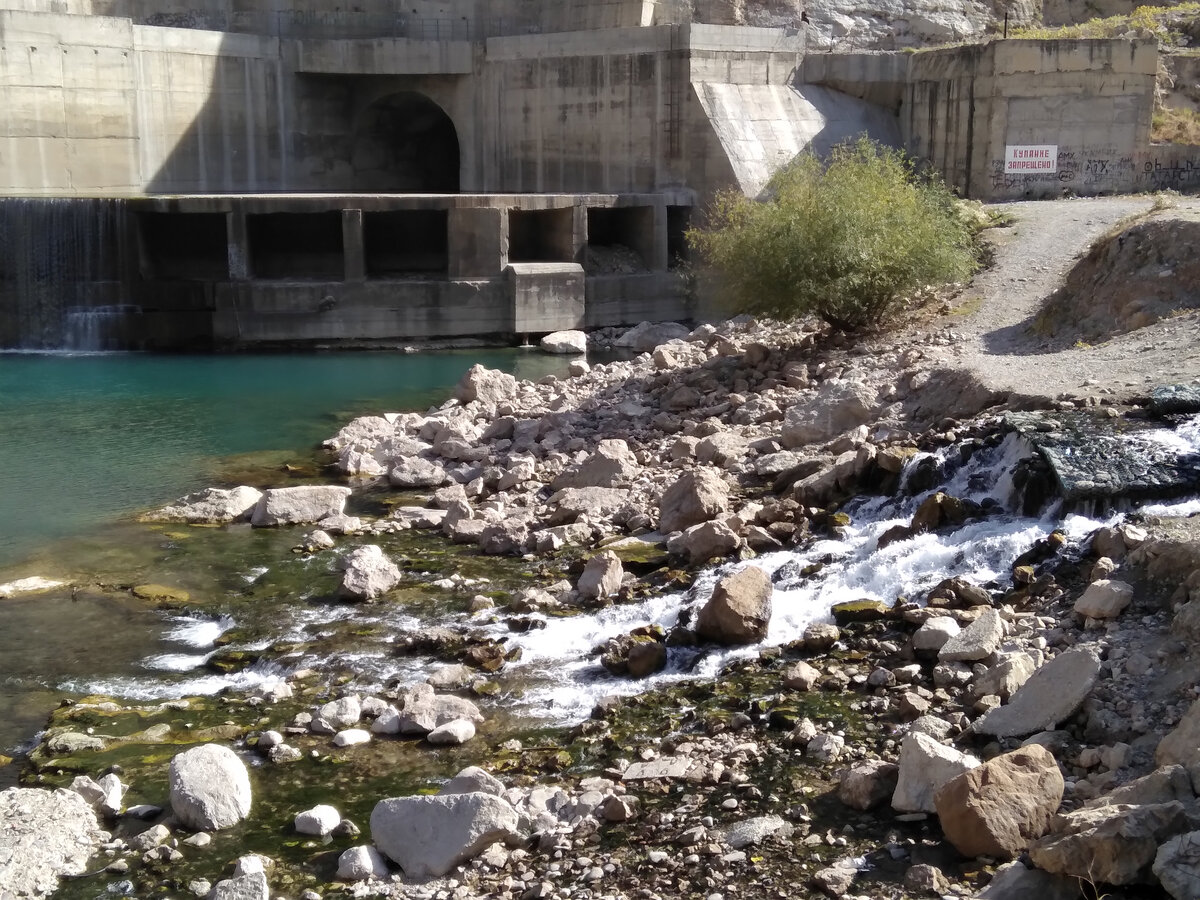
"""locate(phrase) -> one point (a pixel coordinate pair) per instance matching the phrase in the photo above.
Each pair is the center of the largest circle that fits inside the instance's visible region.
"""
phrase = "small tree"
(845, 239)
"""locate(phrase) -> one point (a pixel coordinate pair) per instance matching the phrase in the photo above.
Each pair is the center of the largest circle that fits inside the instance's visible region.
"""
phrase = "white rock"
(601, 576)
(319, 821)
(978, 640)
(343, 712)
(44, 835)
(243, 887)
(473, 779)
(351, 737)
(367, 573)
(1051, 696)
(458, 731)
(209, 788)
(303, 505)
(209, 505)
(417, 473)
(361, 863)
(28, 586)
(645, 336)
(564, 342)
(387, 722)
(431, 835)
(1104, 599)
(934, 633)
(926, 765)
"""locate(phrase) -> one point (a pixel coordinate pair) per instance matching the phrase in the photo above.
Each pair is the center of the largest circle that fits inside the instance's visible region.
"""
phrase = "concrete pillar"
(477, 242)
(238, 238)
(655, 246)
(353, 250)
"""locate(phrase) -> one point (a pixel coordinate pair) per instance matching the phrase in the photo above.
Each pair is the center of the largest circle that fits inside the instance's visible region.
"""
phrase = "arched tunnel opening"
(405, 143)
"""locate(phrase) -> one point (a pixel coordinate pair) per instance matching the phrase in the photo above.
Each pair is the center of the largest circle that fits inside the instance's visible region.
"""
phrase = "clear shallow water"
(85, 439)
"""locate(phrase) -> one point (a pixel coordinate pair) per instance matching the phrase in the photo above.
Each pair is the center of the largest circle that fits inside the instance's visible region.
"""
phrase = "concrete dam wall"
(252, 175)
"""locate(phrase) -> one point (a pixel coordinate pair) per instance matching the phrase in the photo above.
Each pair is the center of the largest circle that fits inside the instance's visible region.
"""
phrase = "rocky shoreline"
(910, 749)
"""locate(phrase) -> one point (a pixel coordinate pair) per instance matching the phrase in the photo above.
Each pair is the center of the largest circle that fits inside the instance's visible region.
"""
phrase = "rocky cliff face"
(873, 24)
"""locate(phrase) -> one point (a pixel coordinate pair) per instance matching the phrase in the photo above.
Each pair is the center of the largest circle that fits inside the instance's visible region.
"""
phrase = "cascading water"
(559, 675)
(94, 329)
(61, 262)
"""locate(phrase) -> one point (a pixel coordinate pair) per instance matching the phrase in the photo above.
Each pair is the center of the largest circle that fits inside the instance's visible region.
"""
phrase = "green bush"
(845, 239)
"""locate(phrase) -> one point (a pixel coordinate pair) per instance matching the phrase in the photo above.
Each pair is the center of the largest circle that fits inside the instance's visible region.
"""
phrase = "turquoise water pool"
(86, 439)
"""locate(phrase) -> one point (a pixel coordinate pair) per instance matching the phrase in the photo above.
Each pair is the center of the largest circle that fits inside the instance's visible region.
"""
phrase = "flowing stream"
(559, 679)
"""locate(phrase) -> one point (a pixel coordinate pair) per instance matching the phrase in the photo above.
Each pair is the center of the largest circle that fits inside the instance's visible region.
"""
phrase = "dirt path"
(992, 333)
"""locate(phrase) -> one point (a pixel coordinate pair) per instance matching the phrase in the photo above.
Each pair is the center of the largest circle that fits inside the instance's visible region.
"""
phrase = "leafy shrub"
(845, 239)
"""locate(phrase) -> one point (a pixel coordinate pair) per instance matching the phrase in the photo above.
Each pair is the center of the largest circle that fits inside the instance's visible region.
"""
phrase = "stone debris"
(44, 836)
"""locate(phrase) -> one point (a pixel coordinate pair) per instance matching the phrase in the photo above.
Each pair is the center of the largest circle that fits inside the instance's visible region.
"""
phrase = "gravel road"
(992, 333)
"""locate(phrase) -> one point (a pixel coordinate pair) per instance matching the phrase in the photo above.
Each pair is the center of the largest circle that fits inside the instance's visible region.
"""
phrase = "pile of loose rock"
(1048, 722)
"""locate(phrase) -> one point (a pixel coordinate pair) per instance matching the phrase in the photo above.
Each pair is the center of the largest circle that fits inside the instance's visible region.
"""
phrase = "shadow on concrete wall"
(259, 126)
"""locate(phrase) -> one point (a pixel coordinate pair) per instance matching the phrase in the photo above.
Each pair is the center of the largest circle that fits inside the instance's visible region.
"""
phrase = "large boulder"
(739, 610)
(601, 576)
(1108, 844)
(565, 343)
(423, 711)
(1182, 746)
(569, 504)
(1177, 866)
(837, 407)
(209, 788)
(430, 835)
(1051, 695)
(485, 385)
(612, 463)
(209, 505)
(693, 498)
(868, 784)
(367, 573)
(997, 808)
(361, 863)
(926, 765)
(978, 640)
(645, 336)
(250, 886)
(44, 836)
(1104, 599)
(1013, 881)
(700, 543)
(414, 472)
(301, 505)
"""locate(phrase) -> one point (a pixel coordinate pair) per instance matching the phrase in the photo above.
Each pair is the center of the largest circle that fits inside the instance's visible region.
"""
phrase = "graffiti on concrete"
(1092, 170)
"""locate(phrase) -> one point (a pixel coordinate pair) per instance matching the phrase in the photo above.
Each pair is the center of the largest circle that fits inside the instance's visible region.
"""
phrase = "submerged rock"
(29, 585)
(211, 505)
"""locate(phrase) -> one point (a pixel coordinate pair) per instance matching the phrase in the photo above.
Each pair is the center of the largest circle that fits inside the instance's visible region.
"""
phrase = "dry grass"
(1172, 26)
(1175, 126)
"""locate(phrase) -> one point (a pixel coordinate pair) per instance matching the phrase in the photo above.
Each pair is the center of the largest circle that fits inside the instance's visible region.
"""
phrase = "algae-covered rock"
(860, 611)
(162, 594)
